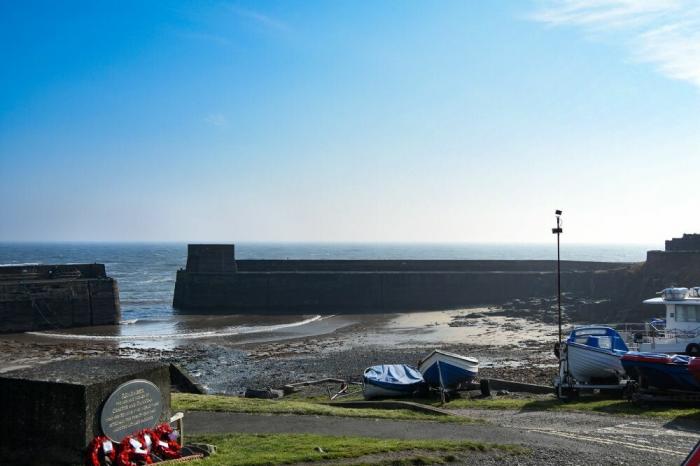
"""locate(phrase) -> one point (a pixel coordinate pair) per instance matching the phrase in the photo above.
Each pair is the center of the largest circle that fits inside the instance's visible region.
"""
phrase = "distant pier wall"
(40, 297)
(333, 286)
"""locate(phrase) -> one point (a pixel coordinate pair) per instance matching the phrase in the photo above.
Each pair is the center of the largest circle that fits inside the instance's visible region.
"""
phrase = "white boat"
(448, 370)
(593, 353)
(679, 332)
(390, 380)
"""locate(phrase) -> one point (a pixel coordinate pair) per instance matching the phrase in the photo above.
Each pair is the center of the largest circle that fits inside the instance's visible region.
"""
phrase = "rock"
(266, 393)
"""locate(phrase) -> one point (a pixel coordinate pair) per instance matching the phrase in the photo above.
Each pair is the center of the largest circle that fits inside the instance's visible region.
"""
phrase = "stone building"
(689, 242)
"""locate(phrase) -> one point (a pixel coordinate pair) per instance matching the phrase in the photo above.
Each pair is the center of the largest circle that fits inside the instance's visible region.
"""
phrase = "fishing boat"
(593, 353)
(390, 380)
(662, 371)
(448, 370)
(679, 332)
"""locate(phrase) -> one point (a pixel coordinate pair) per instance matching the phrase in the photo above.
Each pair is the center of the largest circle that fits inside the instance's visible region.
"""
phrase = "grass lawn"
(264, 449)
(190, 402)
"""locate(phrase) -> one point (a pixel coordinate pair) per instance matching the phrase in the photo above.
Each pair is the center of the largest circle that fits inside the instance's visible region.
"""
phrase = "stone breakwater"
(40, 297)
(213, 279)
(358, 290)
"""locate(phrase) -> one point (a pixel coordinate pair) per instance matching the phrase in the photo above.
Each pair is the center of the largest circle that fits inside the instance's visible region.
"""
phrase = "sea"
(145, 273)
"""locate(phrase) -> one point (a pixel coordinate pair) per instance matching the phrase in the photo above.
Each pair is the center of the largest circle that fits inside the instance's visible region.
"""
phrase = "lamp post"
(558, 231)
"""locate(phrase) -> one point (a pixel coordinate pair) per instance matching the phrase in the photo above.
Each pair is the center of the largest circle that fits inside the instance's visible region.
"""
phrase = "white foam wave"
(159, 280)
(128, 322)
(224, 332)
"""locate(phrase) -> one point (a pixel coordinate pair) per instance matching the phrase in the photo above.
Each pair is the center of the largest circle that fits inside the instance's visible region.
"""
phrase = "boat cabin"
(680, 331)
(682, 314)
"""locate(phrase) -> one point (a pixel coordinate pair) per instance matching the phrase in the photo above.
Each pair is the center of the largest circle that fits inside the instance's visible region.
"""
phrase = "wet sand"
(284, 349)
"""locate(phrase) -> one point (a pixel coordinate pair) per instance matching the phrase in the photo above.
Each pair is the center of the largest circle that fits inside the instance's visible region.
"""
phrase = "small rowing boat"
(448, 370)
(390, 380)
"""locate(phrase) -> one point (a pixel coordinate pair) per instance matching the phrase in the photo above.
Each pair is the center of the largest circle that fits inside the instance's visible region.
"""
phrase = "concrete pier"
(39, 297)
(215, 280)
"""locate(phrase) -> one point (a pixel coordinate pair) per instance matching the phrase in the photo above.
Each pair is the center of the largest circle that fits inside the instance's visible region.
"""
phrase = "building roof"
(686, 301)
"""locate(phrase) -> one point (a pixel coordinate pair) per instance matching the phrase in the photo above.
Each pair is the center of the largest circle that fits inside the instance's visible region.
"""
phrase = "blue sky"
(349, 121)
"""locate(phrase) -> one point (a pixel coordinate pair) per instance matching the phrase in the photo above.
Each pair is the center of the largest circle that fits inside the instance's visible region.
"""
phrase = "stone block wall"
(51, 412)
(211, 258)
(688, 242)
(52, 297)
(333, 286)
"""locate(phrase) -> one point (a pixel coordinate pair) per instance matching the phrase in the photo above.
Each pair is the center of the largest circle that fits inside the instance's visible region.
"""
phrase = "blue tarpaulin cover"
(393, 376)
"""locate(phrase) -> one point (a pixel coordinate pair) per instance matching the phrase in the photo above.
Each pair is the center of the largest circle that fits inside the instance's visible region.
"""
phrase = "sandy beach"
(228, 354)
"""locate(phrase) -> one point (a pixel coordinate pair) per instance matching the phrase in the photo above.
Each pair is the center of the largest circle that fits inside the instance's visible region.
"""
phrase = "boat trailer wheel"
(568, 394)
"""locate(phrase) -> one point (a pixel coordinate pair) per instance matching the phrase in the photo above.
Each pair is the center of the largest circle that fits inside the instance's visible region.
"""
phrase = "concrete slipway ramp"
(555, 437)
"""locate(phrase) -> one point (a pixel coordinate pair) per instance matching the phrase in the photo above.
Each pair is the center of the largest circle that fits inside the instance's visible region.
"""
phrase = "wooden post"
(179, 418)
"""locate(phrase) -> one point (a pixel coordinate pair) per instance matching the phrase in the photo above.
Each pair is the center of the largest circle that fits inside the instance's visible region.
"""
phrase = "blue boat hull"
(663, 376)
(451, 375)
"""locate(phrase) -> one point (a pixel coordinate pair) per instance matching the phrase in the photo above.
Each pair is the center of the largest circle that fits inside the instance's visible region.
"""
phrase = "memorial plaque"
(134, 405)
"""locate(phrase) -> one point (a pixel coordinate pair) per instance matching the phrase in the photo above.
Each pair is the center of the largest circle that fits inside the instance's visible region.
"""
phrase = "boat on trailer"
(448, 370)
(592, 354)
(663, 371)
(391, 380)
(694, 368)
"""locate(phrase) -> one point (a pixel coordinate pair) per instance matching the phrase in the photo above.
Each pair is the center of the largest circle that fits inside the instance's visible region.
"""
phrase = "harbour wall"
(40, 297)
(214, 280)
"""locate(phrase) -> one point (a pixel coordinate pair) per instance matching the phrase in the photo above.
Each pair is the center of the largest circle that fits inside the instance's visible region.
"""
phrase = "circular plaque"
(134, 405)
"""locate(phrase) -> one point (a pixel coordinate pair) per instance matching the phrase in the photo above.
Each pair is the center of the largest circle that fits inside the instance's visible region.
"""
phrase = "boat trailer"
(570, 389)
(635, 392)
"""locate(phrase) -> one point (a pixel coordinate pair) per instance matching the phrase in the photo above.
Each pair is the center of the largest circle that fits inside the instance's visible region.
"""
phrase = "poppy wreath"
(101, 452)
(166, 445)
(144, 447)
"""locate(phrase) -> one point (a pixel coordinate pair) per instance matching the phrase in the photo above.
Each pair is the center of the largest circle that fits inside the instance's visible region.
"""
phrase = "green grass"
(590, 404)
(270, 449)
(190, 402)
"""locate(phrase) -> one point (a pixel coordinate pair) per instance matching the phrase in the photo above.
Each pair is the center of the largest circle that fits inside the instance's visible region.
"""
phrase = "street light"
(558, 231)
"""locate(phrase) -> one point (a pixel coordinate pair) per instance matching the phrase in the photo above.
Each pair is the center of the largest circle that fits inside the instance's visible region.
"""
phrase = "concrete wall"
(211, 258)
(332, 286)
(29, 300)
(416, 266)
(214, 280)
(51, 412)
(333, 292)
(48, 272)
(689, 242)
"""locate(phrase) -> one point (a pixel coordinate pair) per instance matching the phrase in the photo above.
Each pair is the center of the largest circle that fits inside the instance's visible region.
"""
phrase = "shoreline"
(341, 346)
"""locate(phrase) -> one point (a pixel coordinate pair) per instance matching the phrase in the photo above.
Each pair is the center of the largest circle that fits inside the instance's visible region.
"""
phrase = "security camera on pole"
(558, 231)
(557, 348)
